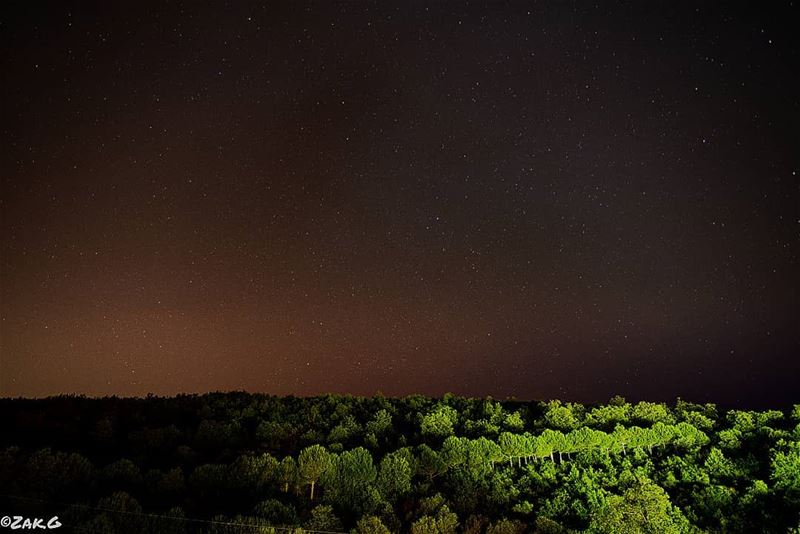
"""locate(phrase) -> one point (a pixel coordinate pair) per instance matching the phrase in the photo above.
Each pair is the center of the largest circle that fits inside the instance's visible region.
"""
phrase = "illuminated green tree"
(380, 423)
(348, 482)
(443, 522)
(439, 422)
(430, 464)
(394, 476)
(786, 470)
(561, 416)
(644, 508)
(651, 412)
(371, 525)
(312, 462)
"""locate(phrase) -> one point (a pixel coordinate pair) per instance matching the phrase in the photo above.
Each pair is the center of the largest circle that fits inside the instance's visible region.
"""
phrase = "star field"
(563, 200)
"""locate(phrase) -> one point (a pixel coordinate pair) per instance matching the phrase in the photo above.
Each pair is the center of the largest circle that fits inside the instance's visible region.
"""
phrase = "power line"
(160, 516)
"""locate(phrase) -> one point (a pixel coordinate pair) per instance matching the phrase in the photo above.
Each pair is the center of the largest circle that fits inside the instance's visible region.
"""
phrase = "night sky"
(555, 200)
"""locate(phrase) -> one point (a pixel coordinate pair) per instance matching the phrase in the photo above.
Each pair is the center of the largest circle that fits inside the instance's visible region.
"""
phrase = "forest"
(239, 462)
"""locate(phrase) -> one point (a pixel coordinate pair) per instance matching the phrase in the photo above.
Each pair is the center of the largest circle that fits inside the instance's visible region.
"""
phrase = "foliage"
(224, 461)
(643, 508)
(439, 422)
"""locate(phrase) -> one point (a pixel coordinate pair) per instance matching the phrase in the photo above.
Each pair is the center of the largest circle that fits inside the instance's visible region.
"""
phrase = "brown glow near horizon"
(304, 201)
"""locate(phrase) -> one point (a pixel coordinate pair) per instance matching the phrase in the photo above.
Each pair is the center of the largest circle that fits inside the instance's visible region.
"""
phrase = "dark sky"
(530, 200)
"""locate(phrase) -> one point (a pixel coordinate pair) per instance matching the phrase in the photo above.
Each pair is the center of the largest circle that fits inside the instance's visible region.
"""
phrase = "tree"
(617, 400)
(430, 463)
(514, 422)
(275, 512)
(506, 526)
(252, 473)
(122, 474)
(394, 476)
(560, 416)
(728, 471)
(546, 525)
(720, 468)
(560, 444)
(548, 442)
(580, 439)
(323, 518)
(128, 516)
(716, 503)
(213, 435)
(444, 522)
(171, 484)
(380, 423)
(621, 438)
(511, 446)
(274, 434)
(698, 420)
(528, 444)
(371, 525)
(57, 472)
(755, 502)
(454, 451)
(345, 430)
(662, 433)
(786, 470)
(439, 422)
(348, 482)
(608, 416)
(482, 454)
(651, 412)
(312, 462)
(287, 473)
(644, 508)
(209, 481)
(688, 437)
(173, 522)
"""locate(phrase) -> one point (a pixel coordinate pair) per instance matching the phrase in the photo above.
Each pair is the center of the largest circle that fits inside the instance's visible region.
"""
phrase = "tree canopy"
(218, 462)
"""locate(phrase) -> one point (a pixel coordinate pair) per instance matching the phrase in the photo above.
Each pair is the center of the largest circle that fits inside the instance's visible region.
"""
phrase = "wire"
(159, 516)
